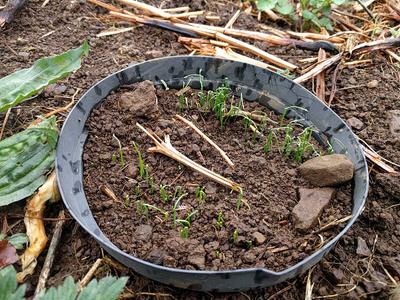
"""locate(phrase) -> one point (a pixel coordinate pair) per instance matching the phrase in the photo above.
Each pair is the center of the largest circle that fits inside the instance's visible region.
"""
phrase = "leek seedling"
(121, 152)
(220, 220)
(137, 191)
(200, 194)
(182, 103)
(249, 244)
(217, 253)
(270, 139)
(127, 201)
(178, 192)
(163, 212)
(184, 232)
(303, 144)
(175, 208)
(164, 194)
(113, 158)
(330, 148)
(235, 236)
(142, 171)
(287, 145)
(151, 185)
(141, 208)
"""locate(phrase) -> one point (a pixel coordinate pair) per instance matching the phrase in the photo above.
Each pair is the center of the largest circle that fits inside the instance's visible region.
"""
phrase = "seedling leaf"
(8, 285)
(25, 83)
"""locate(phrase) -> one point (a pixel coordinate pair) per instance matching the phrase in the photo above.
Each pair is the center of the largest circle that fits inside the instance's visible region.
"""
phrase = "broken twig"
(205, 137)
(166, 148)
(9, 12)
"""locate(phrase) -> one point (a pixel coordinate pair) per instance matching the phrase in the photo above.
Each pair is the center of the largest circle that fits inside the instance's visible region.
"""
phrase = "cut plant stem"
(166, 148)
(205, 137)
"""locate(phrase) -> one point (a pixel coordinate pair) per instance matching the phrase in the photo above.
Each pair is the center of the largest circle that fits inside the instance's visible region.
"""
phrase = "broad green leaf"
(339, 2)
(25, 158)
(108, 288)
(25, 83)
(18, 240)
(8, 285)
(263, 5)
(285, 7)
(68, 290)
(308, 15)
(325, 22)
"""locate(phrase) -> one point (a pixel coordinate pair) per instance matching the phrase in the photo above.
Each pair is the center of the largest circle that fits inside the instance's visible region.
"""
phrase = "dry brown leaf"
(8, 254)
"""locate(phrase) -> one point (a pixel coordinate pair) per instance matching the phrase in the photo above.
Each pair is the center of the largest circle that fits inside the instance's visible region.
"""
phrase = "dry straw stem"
(109, 193)
(320, 85)
(35, 226)
(376, 45)
(207, 139)
(256, 51)
(89, 275)
(166, 148)
(44, 274)
(319, 68)
(232, 20)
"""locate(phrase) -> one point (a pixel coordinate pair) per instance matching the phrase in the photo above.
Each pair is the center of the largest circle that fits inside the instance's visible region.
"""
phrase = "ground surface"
(63, 24)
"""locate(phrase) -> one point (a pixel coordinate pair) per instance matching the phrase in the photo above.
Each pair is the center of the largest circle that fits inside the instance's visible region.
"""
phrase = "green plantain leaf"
(8, 285)
(25, 158)
(25, 83)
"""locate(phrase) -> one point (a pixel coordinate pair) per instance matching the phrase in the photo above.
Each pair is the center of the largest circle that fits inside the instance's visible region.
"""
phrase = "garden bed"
(227, 230)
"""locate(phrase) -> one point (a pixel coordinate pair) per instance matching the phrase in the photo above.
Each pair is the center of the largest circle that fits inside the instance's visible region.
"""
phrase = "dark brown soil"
(270, 194)
(342, 274)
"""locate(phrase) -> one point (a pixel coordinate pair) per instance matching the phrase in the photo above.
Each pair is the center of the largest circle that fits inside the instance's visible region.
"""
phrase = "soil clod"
(310, 207)
(327, 170)
(362, 247)
(394, 123)
(142, 102)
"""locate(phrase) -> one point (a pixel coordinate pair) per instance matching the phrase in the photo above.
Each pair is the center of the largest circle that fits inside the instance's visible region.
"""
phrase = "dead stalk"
(166, 148)
(320, 88)
(207, 139)
(35, 226)
(44, 274)
(109, 193)
(319, 68)
(89, 275)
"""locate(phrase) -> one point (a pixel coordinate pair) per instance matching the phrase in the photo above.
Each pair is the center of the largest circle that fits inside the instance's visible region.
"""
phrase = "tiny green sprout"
(249, 244)
(217, 253)
(137, 191)
(190, 216)
(220, 220)
(178, 192)
(163, 212)
(121, 152)
(184, 232)
(270, 139)
(151, 185)
(175, 207)
(182, 102)
(113, 158)
(303, 144)
(286, 110)
(127, 201)
(286, 73)
(330, 148)
(142, 171)
(239, 199)
(146, 174)
(141, 208)
(164, 194)
(235, 236)
(287, 146)
(200, 194)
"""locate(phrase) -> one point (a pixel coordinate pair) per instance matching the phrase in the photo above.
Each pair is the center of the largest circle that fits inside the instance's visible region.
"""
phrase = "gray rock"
(310, 207)
(362, 247)
(131, 170)
(259, 238)
(142, 102)
(143, 232)
(355, 123)
(394, 122)
(327, 170)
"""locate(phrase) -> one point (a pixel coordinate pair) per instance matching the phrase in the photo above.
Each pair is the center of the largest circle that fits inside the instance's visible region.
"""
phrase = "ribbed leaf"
(8, 285)
(25, 159)
(108, 288)
(25, 83)
(66, 291)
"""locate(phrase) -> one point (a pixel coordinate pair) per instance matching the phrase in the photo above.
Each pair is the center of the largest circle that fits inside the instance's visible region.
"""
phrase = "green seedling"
(151, 185)
(217, 253)
(220, 220)
(184, 232)
(303, 144)
(113, 158)
(270, 140)
(137, 191)
(239, 200)
(121, 152)
(249, 244)
(163, 212)
(142, 171)
(330, 148)
(175, 208)
(286, 111)
(200, 194)
(287, 145)
(178, 192)
(141, 208)
(127, 201)
(182, 103)
(164, 194)
(235, 236)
